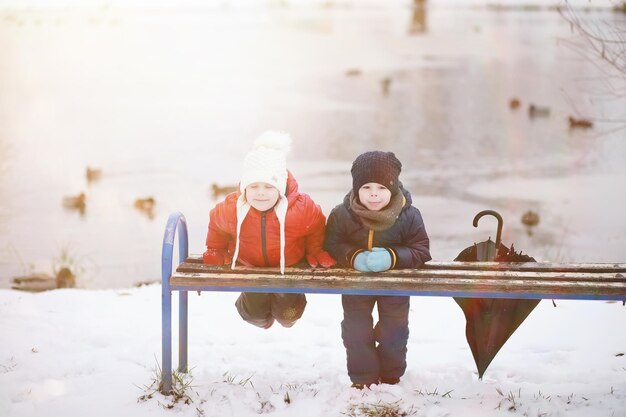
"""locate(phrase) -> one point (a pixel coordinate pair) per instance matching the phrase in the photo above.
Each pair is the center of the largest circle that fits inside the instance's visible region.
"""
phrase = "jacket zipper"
(263, 243)
(370, 240)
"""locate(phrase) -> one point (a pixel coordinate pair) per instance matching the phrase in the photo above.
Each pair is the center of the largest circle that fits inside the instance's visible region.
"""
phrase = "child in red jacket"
(267, 222)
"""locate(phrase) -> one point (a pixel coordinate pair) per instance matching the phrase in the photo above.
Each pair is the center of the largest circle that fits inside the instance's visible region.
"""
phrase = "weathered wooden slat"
(406, 273)
(514, 287)
(528, 266)
(338, 281)
(523, 266)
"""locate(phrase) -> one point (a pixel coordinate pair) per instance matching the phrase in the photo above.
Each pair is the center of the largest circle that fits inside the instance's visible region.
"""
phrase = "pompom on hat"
(266, 162)
(379, 167)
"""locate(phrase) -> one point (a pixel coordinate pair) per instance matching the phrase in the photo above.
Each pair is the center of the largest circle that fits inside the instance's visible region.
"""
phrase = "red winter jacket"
(260, 232)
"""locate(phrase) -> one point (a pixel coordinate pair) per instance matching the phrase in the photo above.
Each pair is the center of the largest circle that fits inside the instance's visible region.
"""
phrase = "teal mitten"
(379, 260)
(360, 262)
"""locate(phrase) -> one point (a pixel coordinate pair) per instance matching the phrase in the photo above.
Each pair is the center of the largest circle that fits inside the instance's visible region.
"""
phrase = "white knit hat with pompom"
(267, 163)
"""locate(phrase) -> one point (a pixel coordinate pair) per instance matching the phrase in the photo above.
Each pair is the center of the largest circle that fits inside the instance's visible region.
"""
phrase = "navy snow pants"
(375, 352)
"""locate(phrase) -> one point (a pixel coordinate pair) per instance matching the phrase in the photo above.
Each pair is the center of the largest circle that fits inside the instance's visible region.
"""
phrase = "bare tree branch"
(603, 44)
(605, 40)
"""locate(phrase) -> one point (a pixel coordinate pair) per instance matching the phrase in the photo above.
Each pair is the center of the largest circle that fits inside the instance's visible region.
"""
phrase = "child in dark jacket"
(267, 222)
(376, 229)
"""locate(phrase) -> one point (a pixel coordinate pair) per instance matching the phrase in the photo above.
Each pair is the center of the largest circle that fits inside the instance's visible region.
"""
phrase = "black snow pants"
(261, 309)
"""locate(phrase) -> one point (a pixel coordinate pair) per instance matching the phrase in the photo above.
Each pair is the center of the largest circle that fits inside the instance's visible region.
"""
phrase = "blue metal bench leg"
(166, 341)
(182, 331)
(176, 222)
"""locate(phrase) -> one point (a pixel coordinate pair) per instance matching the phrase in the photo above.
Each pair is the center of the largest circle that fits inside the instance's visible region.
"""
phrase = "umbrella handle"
(500, 223)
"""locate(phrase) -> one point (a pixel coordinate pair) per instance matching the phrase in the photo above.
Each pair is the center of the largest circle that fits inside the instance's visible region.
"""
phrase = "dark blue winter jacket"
(406, 239)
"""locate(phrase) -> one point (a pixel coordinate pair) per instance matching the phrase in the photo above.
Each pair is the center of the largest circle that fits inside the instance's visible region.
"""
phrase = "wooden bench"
(531, 280)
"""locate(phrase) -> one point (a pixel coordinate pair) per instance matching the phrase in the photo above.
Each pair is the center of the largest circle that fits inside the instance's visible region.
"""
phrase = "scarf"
(378, 220)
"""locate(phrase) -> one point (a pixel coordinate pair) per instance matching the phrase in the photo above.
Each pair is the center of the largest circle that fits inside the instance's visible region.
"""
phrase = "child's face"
(261, 195)
(374, 196)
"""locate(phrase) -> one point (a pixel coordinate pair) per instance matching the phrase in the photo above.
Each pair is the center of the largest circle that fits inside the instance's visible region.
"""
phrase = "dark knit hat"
(376, 166)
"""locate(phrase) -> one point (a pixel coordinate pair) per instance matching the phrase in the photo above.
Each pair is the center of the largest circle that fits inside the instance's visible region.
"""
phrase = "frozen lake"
(167, 102)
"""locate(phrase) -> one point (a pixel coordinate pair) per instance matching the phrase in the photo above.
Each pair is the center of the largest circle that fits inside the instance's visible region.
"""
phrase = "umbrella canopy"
(490, 322)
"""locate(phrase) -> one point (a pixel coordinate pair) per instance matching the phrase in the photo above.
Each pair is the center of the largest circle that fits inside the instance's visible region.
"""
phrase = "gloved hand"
(360, 262)
(321, 258)
(216, 257)
(379, 260)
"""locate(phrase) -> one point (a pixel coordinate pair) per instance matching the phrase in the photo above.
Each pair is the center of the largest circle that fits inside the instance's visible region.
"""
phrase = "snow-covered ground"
(96, 352)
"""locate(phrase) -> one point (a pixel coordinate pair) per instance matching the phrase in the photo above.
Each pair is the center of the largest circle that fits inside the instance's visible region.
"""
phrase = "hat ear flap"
(243, 207)
(281, 213)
